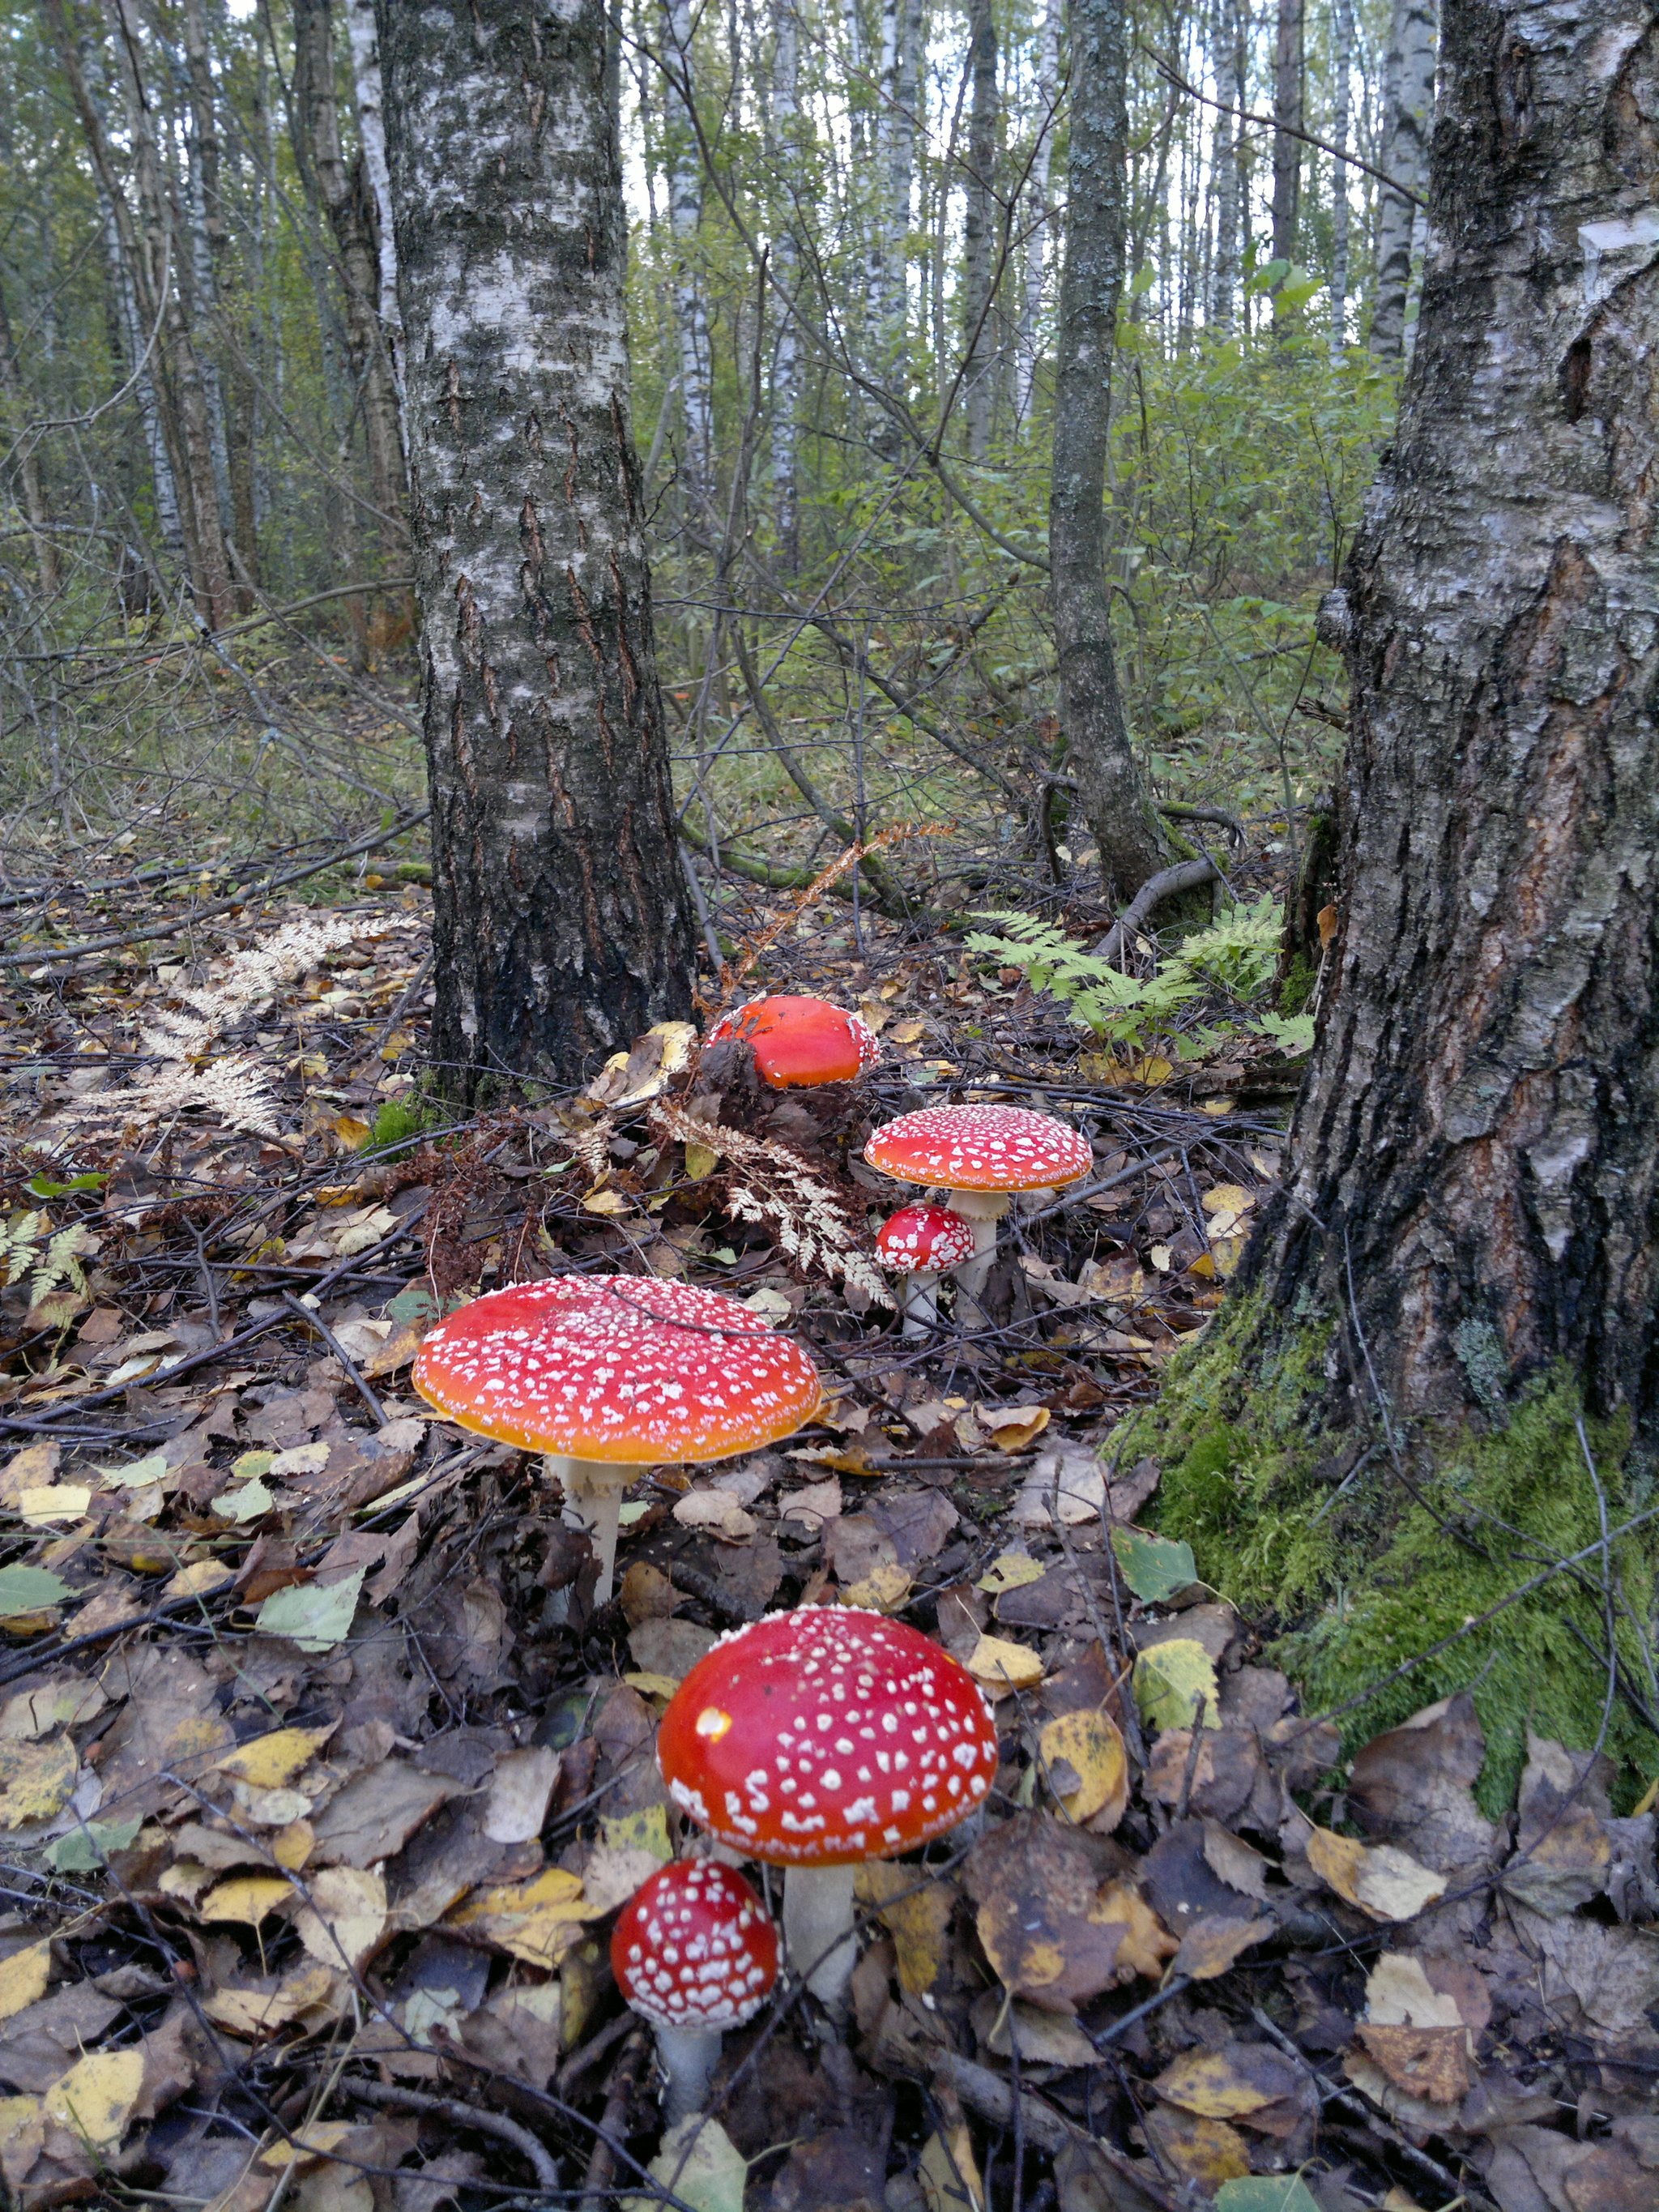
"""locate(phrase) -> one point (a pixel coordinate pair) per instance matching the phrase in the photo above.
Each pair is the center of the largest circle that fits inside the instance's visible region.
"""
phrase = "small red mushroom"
(818, 1739)
(798, 1041)
(695, 1953)
(979, 1156)
(922, 1243)
(611, 1374)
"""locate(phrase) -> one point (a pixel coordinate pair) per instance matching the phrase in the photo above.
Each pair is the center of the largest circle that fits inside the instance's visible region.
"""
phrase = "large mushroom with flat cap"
(979, 1156)
(611, 1374)
(800, 1041)
(921, 1244)
(695, 1953)
(817, 1740)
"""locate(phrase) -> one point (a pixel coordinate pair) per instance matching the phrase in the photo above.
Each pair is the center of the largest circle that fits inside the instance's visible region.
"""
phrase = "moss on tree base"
(1361, 1563)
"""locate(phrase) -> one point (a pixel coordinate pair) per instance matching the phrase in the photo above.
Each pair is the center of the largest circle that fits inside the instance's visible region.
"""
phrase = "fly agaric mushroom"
(819, 1738)
(695, 1953)
(612, 1374)
(799, 1041)
(979, 1156)
(923, 1242)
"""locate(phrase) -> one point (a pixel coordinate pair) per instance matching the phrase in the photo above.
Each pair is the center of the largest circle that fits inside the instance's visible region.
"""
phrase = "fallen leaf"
(313, 2140)
(1154, 1567)
(949, 2179)
(69, 1701)
(536, 1921)
(701, 2164)
(36, 1780)
(915, 1910)
(815, 1503)
(251, 1898)
(1227, 2084)
(606, 1201)
(1170, 1679)
(1085, 1750)
(1214, 1942)
(1430, 2063)
(1562, 1852)
(1011, 1570)
(1227, 1198)
(345, 1916)
(716, 1513)
(1012, 1427)
(1385, 1883)
(93, 2098)
(265, 1762)
(1207, 2151)
(23, 1977)
(1001, 1666)
(29, 1590)
(1267, 2192)
(519, 1793)
(314, 1618)
(1073, 1478)
(56, 1502)
(864, 1559)
(1050, 1932)
(252, 2014)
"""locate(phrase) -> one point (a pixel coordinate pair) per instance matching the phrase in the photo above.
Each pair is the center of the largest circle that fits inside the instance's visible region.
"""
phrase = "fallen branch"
(1185, 876)
(994, 2099)
(536, 2155)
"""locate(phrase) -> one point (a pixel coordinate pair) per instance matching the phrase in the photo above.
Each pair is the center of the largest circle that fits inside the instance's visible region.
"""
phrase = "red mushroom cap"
(695, 1948)
(617, 1367)
(827, 1736)
(979, 1148)
(925, 1237)
(801, 1040)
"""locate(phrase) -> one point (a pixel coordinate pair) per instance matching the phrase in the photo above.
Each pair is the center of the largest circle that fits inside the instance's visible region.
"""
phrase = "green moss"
(1297, 984)
(1358, 1574)
(401, 1123)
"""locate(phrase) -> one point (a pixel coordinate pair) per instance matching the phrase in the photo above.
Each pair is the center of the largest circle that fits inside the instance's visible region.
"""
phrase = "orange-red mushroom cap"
(695, 1948)
(799, 1041)
(617, 1367)
(925, 1238)
(979, 1148)
(825, 1737)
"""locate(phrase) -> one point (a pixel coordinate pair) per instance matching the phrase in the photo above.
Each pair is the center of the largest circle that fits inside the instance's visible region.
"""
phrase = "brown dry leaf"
(915, 1912)
(1037, 1888)
(1087, 1767)
(1229, 2083)
(1386, 1884)
(1145, 1942)
(1563, 1853)
(1012, 1427)
(715, 1513)
(519, 1793)
(345, 1916)
(67, 1701)
(1430, 2063)
(1413, 1786)
(1206, 2151)
(1214, 1941)
(865, 1561)
(254, 2014)
(646, 1594)
(377, 1812)
(1045, 2039)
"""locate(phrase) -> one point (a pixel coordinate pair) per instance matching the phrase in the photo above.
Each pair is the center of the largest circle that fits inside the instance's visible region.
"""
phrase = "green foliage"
(1232, 961)
(1367, 1573)
(51, 1259)
(400, 1124)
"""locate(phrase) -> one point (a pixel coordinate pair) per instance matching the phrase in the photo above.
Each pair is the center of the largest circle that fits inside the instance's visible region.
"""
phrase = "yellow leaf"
(1227, 1198)
(917, 1913)
(651, 1685)
(1384, 1882)
(1226, 1252)
(254, 2013)
(268, 1761)
(536, 1921)
(199, 1581)
(1170, 1678)
(1204, 1265)
(44, 1507)
(23, 1977)
(1208, 2083)
(35, 1780)
(397, 1045)
(352, 1133)
(1002, 1666)
(908, 1032)
(1146, 1943)
(291, 1846)
(1012, 1427)
(250, 1897)
(700, 1163)
(1647, 1800)
(313, 2141)
(605, 1201)
(700, 2164)
(646, 1831)
(346, 1918)
(93, 2098)
(949, 2179)
(1153, 1071)
(1011, 1570)
(1085, 1750)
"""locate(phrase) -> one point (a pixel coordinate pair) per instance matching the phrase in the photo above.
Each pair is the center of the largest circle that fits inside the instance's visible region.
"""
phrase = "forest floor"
(321, 1776)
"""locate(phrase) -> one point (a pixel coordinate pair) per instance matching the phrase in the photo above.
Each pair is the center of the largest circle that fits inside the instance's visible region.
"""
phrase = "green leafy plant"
(50, 1260)
(1233, 960)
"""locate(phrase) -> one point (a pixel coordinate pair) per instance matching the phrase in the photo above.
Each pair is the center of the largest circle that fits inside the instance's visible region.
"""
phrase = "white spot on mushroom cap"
(979, 1148)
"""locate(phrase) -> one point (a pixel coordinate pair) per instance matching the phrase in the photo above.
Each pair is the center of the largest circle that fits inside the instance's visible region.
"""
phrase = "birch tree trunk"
(979, 234)
(1111, 789)
(685, 218)
(561, 928)
(1434, 1380)
(786, 371)
(1341, 69)
(371, 134)
(1047, 92)
(1407, 115)
(1229, 69)
(1289, 76)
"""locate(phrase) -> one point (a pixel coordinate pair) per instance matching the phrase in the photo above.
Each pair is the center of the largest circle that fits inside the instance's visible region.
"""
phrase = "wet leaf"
(1170, 1679)
(1154, 1567)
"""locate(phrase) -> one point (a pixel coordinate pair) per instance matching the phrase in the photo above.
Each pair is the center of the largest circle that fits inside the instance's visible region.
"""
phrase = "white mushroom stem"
(985, 1209)
(688, 2056)
(920, 1299)
(592, 1500)
(817, 1928)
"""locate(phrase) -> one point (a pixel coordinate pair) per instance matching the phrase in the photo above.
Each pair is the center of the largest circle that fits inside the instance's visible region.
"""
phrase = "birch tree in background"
(1408, 117)
(1037, 202)
(1341, 69)
(979, 335)
(560, 928)
(785, 360)
(1290, 76)
(1229, 72)
(365, 40)
(685, 219)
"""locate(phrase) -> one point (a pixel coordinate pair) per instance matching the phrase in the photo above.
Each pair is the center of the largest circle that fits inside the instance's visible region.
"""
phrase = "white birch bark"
(786, 369)
(1037, 204)
(1408, 116)
(1341, 67)
(685, 219)
(1229, 72)
(371, 134)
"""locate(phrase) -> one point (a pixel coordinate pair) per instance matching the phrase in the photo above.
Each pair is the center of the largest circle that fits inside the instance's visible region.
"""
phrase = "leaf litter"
(320, 1777)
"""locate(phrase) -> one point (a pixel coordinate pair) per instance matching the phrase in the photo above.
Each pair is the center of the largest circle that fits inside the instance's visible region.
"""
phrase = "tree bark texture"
(1477, 1148)
(1407, 118)
(979, 234)
(1231, 79)
(1288, 77)
(1341, 73)
(1112, 790)
(560, 926)
(685, 219)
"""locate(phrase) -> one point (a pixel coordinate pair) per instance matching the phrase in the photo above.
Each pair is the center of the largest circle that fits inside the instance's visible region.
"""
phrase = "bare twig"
(540, 2161)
